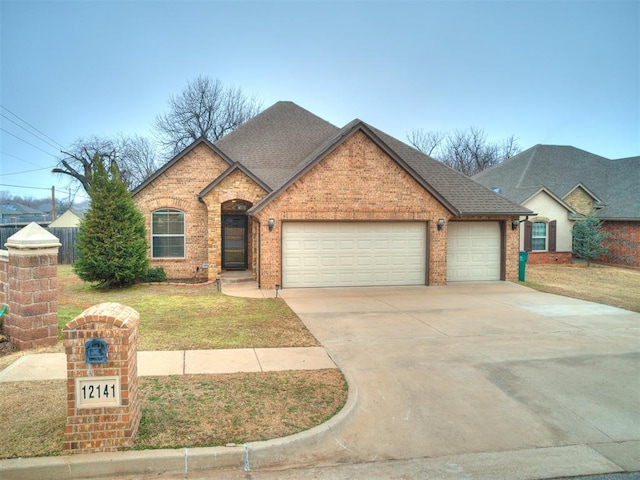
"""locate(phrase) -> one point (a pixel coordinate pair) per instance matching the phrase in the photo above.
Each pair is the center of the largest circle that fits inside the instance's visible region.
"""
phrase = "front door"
(234, 242)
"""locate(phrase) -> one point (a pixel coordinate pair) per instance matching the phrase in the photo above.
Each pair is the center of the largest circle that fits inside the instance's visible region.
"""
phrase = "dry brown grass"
(190, 317)
(618, 287)
(201, 410)
(198, 410)
(182, 411)
(33, 418)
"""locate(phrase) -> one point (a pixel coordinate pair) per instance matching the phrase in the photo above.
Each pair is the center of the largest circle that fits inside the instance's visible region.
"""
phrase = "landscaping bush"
(156, 274)
(112, 245)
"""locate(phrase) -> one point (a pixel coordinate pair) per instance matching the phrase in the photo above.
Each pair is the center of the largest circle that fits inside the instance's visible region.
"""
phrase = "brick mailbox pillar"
(103, 408)
(32, 295)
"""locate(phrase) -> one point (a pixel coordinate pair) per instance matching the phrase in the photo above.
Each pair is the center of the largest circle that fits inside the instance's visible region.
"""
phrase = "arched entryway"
(235, 235)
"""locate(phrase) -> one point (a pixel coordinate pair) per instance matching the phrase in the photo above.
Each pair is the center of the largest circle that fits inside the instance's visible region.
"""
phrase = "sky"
(559, 72)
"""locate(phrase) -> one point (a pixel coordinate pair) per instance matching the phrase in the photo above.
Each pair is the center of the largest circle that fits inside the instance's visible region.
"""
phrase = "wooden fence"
(67, 253)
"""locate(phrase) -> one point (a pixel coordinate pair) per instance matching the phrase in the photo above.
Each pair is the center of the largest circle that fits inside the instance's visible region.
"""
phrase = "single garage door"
(473, 251)
(331, 254)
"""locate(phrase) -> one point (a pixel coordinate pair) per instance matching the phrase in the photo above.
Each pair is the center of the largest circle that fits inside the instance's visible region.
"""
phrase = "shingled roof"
(284, 141)
(275, 142)
(466, 195)
(614, 184)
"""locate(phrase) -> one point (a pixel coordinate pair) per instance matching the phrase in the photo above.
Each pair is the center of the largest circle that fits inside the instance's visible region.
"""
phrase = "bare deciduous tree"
(133, 157)
(138, 159)
(204, 108)
(427, 142)
(467, 151)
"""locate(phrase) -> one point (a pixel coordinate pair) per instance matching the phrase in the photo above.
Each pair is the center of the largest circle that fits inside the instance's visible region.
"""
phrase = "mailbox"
(95, 351)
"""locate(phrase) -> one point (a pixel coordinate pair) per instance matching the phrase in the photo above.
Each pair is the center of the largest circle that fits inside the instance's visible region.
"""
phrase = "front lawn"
(191, 410)
(615, 286)
(190, 317)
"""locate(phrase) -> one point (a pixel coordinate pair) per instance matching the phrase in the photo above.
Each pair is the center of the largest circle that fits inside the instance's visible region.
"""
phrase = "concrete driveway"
(493, 376)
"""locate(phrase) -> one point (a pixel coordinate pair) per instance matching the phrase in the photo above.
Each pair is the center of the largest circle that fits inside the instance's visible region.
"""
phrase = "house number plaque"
(94, 392)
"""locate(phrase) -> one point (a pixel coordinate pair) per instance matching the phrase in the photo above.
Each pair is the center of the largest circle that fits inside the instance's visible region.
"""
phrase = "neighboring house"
(562, 184)
(300, 202)
(46, 209)
(69, 219)
(18, 214)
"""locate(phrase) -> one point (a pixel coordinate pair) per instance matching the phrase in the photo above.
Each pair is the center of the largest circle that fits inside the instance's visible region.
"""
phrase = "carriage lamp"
(514, 224)
(270, 223)
(440, 223)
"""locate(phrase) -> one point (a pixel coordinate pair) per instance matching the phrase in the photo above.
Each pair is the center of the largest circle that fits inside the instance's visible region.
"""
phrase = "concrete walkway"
(52, 366)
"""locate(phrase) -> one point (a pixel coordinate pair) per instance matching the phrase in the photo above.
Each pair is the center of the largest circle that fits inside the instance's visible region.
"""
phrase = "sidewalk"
(52, 366)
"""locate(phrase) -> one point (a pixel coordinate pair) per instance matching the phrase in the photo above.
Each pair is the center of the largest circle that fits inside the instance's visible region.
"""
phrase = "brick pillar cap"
(111, 313)
(32, 237)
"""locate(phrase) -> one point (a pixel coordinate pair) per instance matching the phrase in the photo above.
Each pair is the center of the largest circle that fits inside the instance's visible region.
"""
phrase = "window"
(539, 236)
(167, 234)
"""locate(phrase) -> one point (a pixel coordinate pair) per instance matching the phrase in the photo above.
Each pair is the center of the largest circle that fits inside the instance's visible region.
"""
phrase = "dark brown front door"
(234, 242)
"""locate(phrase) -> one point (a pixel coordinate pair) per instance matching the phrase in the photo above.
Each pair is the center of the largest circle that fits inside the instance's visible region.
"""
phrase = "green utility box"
(522, 263)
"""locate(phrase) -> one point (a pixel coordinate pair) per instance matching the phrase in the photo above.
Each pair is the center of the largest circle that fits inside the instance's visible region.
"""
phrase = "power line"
(24, 121)
(18, 158)
(26, 171)
(42, 188)
(28, 143)
(28, 131)
(22, 186)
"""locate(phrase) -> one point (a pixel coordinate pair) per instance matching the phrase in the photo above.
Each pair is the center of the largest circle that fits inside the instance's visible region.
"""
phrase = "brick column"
(103, 409)
(32, 319)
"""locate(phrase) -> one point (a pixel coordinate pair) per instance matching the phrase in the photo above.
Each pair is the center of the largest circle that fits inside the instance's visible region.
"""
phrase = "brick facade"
(356, 181)
(538, 258)
(106, 428)
(623, 243)
(177, 188)
(236, 186)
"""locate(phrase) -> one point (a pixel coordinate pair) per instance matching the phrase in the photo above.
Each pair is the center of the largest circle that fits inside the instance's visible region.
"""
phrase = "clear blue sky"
(551, 72)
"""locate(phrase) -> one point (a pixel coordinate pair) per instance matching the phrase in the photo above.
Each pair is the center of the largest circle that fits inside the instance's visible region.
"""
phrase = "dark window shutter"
(552, 236)
(528, 226)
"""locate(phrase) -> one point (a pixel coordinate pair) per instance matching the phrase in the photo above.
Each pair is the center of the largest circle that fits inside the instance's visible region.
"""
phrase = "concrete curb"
(267, 453)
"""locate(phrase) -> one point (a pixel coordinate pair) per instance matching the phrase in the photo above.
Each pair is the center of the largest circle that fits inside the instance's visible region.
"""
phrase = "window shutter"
(552, 236)
(527, 235)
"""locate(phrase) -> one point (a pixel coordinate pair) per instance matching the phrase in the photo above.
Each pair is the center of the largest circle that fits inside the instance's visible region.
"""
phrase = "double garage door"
(324, 254)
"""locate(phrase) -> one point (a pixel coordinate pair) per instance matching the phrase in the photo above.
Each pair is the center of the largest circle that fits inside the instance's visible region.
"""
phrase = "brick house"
(300, 202)
(562, 184)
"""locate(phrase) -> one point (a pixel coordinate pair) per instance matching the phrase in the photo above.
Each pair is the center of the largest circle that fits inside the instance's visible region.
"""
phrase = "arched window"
(167, 234)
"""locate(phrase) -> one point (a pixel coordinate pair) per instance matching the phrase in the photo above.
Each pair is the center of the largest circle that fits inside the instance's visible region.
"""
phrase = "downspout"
(259, 259)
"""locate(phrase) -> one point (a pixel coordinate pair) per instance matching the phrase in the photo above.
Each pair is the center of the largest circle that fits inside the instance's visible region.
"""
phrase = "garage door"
(323, 254)
(473, 251)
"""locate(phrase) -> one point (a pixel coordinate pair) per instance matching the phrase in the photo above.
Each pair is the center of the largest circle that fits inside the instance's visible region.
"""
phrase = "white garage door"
(323, 254)
(473, 251)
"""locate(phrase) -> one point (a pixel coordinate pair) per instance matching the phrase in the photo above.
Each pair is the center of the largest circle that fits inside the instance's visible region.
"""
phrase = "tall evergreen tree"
(112, 241)
(588, 238)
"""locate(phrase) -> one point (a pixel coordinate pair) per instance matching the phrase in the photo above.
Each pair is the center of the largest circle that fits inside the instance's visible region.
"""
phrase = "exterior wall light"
(514, 224)
(270, 223)
(440, 223)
